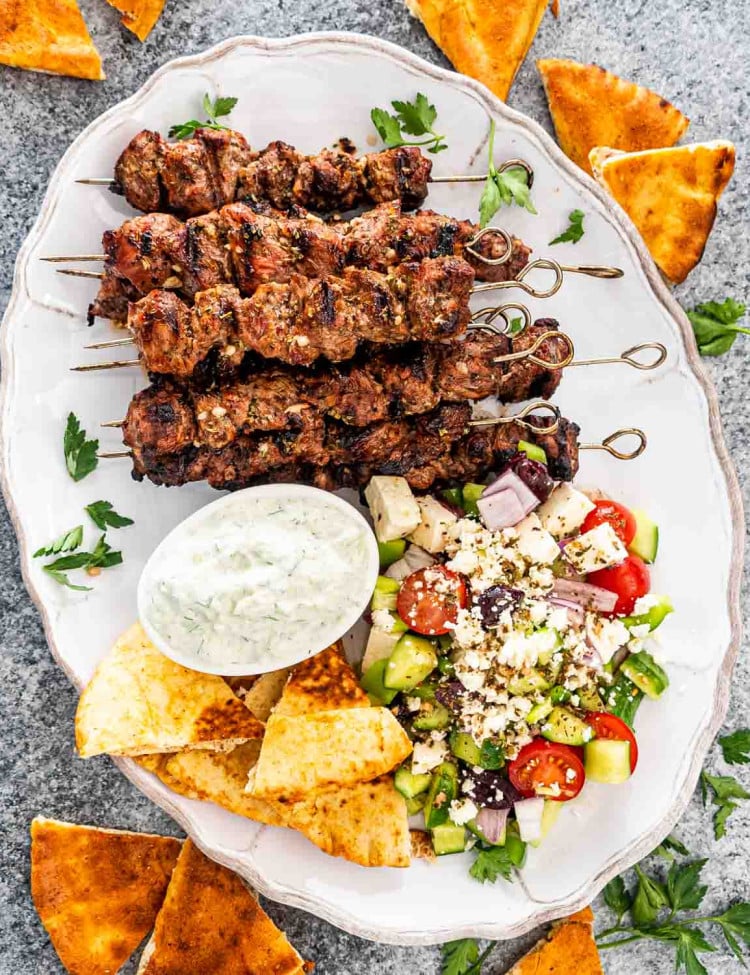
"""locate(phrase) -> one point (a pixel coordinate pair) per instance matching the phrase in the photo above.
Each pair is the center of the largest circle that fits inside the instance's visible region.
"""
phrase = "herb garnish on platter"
(575, 229)
(219, 108)
(412, 118)
(715, 325)
(104, 516)
(80, 453)
(503, 187)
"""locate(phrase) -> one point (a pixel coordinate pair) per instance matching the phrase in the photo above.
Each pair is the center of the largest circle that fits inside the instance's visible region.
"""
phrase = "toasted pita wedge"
(211, 922)
(592, 107)
(325, 682)
(670, 195)
(421, 845)
(139, 16)
(568, 947)
(264, 695)
(484, 39)
(139, 702)
(49, 36)
(97, 891)
(311, 752)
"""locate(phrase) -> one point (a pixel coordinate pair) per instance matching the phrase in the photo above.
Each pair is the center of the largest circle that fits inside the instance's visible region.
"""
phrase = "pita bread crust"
(139, 16)
(50, 36)
(325, 682)
(139, 702)
(569, 947)
(211, 922)
(307, 753)
(670, 195)
(97, 892)
(264, 695)
(484, 39)
(593, 107)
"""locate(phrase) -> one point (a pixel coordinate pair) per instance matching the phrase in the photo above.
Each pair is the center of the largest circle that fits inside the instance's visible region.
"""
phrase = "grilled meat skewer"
(434, 447)
(218, 167)
(415, 382)
(305, 319)
(241, 246)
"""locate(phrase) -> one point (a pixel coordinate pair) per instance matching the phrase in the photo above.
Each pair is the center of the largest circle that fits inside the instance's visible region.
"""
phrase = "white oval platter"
(311, 90)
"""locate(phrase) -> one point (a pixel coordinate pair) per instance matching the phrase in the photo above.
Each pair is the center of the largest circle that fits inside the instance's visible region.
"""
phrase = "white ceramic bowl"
(319, 637)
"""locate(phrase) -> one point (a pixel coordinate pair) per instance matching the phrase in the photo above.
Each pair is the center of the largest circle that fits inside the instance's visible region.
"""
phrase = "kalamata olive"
(533, 474)
(450, 694)
(494, 601)
(489, 789)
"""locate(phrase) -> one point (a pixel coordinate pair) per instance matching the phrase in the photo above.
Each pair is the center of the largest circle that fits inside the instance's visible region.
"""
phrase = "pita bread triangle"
(484, 39)
(211, 922)
(325, 682)
(670, 195)
(592, 107)
(50, 36)
(139, 16)
(139, 702)
(568, 947)
(97, 891)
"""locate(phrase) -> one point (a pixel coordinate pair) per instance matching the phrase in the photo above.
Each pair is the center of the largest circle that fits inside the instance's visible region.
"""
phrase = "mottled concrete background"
(694, 52)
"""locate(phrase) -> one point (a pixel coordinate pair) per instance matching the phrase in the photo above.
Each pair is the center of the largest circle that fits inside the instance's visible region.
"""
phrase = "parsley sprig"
(80, 453)
(66, 542)
(503, 187)
(104, 516)
(575, 229)
(736, 747)
(463, 957)
(411, 118)
(492, 863)
(725, 790)
(219, 108)
(715, 325)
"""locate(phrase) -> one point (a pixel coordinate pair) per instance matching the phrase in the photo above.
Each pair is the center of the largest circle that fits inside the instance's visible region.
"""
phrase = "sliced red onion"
(399, 570)
(491, 824)
(506, 502)
(529, 814)
(510, 480)
(592, 658)
(576, 612)
(417, 558)
(586, 595)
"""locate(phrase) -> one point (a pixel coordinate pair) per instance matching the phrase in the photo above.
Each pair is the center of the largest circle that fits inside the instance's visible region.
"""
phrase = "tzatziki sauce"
(259, 579)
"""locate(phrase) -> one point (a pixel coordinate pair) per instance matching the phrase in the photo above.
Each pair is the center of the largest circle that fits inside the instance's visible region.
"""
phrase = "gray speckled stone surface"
(694, 52)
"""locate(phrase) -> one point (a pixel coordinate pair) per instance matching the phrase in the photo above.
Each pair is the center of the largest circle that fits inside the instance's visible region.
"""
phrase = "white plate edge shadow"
(637, 849)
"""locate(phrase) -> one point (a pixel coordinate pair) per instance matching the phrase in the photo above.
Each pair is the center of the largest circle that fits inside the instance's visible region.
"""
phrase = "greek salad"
(512, 636)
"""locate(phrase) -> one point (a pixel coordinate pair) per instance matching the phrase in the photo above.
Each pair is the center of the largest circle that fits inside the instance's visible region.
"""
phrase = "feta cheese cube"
(432, 532)
(564, 510)
(606, 636)
(598, 549)
(380, 646)
(394, 509)
(534, 542)
(427, 756)
(462, 811)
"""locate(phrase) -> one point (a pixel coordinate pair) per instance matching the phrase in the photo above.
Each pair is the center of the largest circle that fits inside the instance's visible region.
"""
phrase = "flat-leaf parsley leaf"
(219, 108)
(66, 542)
(736, 747)
(503, 186)
(715, 325)
(575, 229)
(80, 453)
(104, 516)
(411, 118)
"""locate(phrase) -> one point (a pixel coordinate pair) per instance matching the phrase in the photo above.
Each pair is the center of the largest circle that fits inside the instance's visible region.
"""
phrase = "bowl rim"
(345, 919)
(282, 490)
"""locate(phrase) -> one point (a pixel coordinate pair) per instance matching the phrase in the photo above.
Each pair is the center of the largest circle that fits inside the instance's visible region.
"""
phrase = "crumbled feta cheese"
(596, 549)
(564, 510)
(471, 681)
(427, 756)
(413, 703)
(645, 603)
(558, 619)
(535, 543)
(462, 811)
(538, 612)
(383, 620)
(606, 635)
(641, 631)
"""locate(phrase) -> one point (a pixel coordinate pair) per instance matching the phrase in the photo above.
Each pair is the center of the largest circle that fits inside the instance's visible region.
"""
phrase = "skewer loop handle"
(608, 444)
(539, 409)
(484, 319)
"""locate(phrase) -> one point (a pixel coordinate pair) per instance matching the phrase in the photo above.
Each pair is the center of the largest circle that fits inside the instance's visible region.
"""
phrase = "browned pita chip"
(140, 702)
(421, 845)
(568, 948)
(139, 16)
(260, 694)
(48, 35)
(211, 923)
(484, 39)
(670, 195)
(325, 682)
(592, 107)
(97, 891)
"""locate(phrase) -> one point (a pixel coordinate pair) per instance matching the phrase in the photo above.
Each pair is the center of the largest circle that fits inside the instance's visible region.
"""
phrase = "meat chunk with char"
(137, 171)
(394, 174)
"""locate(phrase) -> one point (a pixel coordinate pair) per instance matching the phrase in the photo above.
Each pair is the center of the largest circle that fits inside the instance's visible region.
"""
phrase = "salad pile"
(512, 637)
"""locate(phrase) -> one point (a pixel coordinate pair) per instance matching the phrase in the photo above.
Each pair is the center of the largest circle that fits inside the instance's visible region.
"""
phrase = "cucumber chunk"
(654, 617)
(448, 838)
(391, 552)
(470, 495)
(532, 451)
(624, 699)
(432, 717)
(540, 711)
(409, 784)
(607, 760)
(562, 726)
(514, 845)
(372, 683)
(416, 805)
(453, 496)
(646, 674)
(412, 660)
(464, 747)
(533, 681)
(385, 595)
(491, 756)
(443, 790)
(590, 699)
(474, 828)
(645, 542)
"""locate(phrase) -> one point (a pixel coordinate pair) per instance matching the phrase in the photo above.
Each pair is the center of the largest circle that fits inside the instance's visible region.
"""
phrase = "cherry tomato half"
(617, 515)
(630, 580)
(430, 599)
(610, 726)
(547, 769)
